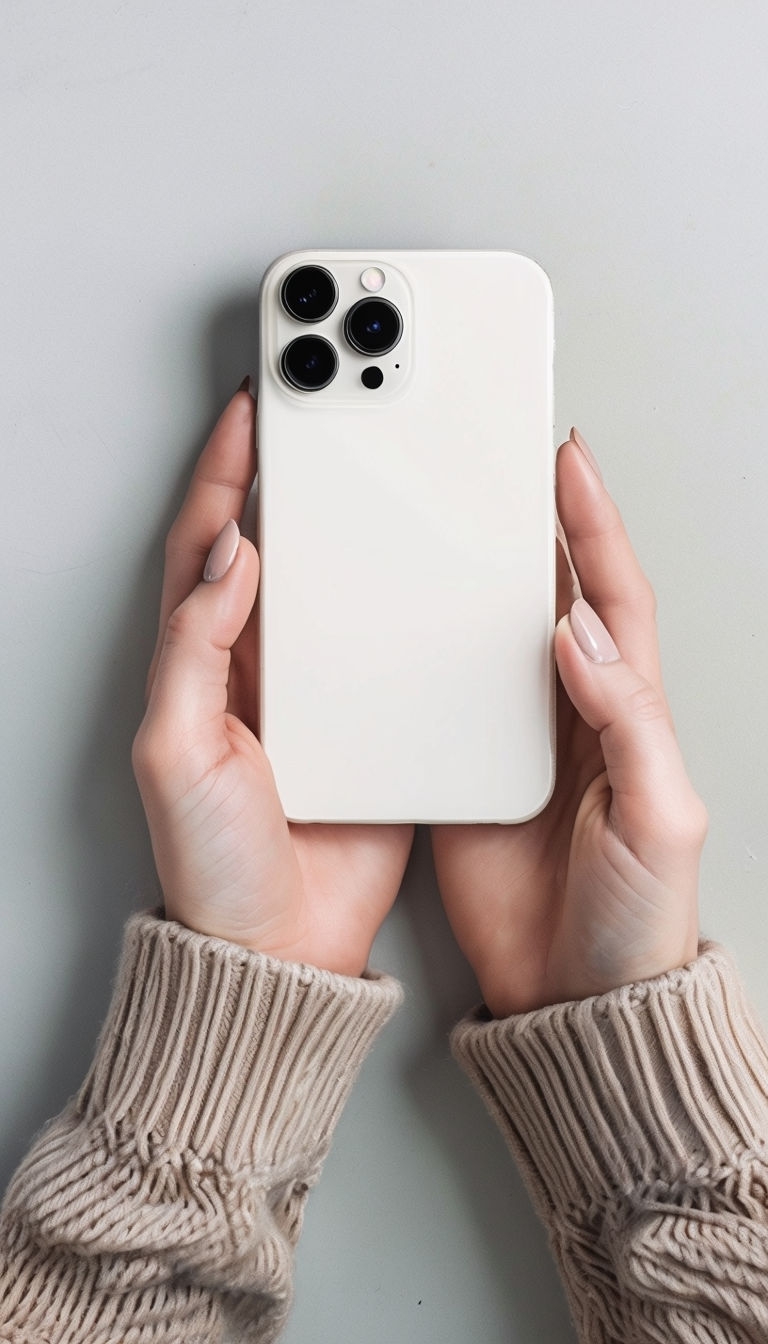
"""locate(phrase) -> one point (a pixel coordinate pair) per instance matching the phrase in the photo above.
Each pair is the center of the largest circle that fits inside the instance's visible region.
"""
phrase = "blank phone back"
(407, 549)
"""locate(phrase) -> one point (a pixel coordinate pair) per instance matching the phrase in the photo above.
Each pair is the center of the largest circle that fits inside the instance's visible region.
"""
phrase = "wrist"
(572, 973)
(304, 949)
(315, 953)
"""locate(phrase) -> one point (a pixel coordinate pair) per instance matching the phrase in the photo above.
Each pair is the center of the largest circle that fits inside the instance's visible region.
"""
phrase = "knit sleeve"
(639, 1120)
(165, 1202)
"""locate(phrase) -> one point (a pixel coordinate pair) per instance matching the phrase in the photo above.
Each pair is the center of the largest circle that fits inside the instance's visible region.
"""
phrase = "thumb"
(654, 809)
(189, 690)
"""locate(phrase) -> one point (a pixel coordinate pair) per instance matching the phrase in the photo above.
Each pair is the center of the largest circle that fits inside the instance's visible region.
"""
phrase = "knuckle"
(645, 705)
(697, 820)
(181, 543)
(687, 824)
(172, 539)
(646, 597)
(152, 752)
(179, 626)
(144, 752)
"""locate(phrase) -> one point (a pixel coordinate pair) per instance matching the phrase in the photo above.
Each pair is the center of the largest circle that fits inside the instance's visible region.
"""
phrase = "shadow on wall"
(114, 873)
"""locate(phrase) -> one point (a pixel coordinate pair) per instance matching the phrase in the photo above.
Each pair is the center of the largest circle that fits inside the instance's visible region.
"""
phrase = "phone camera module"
(373, 326)
(309, 363)
(309, 293)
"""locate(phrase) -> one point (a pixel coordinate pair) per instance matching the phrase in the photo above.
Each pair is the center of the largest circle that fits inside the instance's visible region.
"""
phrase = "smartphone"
(406, 535)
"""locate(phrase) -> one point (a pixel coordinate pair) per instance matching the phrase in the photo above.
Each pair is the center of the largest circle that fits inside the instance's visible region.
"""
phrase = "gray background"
(155, 158)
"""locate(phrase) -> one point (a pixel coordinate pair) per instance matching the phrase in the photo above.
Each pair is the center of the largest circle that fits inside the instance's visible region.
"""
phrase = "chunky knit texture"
(640, 1123)
(165, 1202)
(163, 1205)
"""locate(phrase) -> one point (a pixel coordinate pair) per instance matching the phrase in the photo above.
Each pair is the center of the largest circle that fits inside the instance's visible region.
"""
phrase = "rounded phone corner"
(279, 262)
(545, 801)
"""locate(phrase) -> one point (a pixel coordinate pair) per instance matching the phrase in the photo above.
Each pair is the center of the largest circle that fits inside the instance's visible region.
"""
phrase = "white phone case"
(407, 548)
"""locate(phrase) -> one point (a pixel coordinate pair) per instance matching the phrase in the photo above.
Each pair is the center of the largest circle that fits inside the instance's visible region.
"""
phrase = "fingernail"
(591, 635)
(222, 552)
(583, 446)
(246, 385)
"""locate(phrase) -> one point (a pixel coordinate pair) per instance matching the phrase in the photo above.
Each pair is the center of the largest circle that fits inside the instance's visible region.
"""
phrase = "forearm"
(639, 1120)
(167, 1198)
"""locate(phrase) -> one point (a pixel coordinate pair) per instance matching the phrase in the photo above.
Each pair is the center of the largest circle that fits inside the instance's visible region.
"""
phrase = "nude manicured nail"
(591, 635)
(222, 552)
(247, 385)
(583, 446)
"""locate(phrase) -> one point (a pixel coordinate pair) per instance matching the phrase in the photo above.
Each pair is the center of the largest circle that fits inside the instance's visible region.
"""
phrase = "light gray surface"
(155, 159)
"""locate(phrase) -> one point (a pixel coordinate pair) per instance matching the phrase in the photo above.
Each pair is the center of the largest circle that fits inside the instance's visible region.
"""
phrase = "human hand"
(599, 889)
(229, 863)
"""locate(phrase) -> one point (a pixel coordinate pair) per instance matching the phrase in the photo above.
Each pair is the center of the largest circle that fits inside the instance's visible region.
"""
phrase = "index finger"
(219, 488)
(611, 576)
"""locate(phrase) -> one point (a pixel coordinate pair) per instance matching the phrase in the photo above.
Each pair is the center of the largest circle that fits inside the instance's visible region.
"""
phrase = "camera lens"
(309, 363)
(373, 326)
(309, 293)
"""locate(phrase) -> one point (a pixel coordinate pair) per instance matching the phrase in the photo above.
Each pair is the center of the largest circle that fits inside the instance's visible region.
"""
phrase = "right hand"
(600, 888)
(229, 863)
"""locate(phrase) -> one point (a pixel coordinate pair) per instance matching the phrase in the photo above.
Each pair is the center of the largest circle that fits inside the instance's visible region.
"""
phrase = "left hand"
(600, 889)
(229, 863)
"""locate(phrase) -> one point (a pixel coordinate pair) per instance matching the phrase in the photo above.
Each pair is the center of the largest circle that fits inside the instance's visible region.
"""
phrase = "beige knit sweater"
(165, 1202)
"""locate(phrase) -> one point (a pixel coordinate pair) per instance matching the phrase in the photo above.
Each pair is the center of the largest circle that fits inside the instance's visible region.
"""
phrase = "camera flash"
(372, 279)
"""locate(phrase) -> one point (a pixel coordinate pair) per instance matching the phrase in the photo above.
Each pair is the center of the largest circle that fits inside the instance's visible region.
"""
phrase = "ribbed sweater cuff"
(235, 1057)
(629, 1091)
